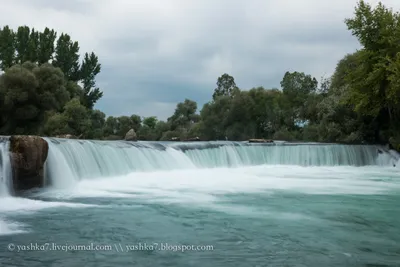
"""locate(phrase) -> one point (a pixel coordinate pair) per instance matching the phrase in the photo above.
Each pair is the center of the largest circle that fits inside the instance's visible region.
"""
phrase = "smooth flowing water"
(206, 204)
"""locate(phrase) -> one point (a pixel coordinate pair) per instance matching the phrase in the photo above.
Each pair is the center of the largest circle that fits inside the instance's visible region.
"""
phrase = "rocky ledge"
(260, 141)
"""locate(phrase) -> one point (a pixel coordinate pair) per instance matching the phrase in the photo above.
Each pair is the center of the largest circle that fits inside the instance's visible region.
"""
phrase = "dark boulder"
(28, 155)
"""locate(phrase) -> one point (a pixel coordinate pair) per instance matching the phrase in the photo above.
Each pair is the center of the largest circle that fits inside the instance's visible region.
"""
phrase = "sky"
(156, 53)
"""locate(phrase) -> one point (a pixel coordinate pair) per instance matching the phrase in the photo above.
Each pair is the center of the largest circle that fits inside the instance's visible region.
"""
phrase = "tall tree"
(33, 47)
(67, 57)
(372, 85)
(89, 69)
(7, 48)
(22, 44)
(226, 86)
(298, 87)
(46, 46)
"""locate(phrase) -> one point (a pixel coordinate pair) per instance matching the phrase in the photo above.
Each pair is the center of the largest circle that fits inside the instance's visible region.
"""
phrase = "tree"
(29, 91)
(75, 120)
(67, 57)
(238, 123)
(150, 122)
(124, 125)
(89, 69)
(225, 86)
(33, 48)
(78, 117)
(97, 122)
(297, 88)
(213, 116)
(184, 114)
(136, 122)
(22, 44)
(7, 48)
(45, 45)
(372, 84)
(111, 126)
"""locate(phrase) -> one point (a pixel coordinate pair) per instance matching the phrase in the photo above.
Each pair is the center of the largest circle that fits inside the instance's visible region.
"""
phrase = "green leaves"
(7, 48)
(67, 57)
(226, 86)
(183, 115)
(45, 45)
(376, 29)
(373, 80)
(89, 69)
(29, 91)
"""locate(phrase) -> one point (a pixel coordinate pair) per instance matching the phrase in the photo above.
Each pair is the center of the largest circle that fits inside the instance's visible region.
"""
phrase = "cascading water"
(72, 160)
(5, 169)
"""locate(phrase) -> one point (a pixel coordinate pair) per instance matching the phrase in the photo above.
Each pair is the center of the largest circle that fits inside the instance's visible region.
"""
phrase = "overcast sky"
(156, 53)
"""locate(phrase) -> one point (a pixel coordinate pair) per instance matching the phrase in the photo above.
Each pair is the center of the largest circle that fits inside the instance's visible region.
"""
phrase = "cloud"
(156, 53)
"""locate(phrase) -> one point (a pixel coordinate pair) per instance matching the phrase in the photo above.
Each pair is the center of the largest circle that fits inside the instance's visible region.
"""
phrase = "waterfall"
(5, 169)
(73, 160)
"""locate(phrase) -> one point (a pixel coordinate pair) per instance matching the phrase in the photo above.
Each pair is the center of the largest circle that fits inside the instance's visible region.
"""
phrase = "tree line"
(46, 90)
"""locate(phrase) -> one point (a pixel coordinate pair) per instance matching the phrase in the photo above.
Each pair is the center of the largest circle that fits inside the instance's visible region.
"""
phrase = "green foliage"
(298, 88)
(373, 87)
(150, 122)
(184, 115)
(284, 134)
(89, 69)
(56, 124)
(117, 127)
(7, 48)
(136, 122)
(22, 44)
(78, 117)
(97, 122)
(28, 92)
(146, 133)
(67, 57)
(44, 44)
(226, 86)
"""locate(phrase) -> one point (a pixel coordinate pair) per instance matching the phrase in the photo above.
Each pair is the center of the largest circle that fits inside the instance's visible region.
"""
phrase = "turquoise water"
(264, 215)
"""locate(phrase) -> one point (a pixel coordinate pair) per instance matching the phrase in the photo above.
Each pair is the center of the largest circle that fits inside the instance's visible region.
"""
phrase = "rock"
(28, 155)
(131, 135)
(175, 139)
(260, 141)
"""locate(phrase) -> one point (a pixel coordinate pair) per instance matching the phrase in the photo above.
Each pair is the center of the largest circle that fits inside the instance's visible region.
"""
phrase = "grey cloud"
(74, 6)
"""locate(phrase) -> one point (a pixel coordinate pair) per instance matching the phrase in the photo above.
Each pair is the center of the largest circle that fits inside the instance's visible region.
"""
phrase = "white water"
(311, 180)
(5, 169)
(70, 161)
